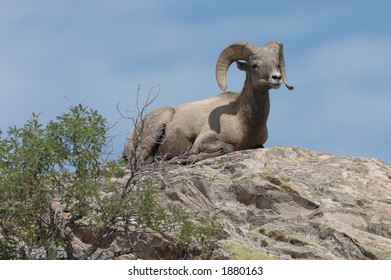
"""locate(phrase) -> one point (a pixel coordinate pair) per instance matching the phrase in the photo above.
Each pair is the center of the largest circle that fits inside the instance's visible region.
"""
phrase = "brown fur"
(215, 126)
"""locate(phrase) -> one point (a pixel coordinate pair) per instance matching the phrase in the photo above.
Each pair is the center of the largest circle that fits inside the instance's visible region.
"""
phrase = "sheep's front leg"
(209, 149)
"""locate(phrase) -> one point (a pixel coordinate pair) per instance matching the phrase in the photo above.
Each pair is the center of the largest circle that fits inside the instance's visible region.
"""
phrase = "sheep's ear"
(242, 66)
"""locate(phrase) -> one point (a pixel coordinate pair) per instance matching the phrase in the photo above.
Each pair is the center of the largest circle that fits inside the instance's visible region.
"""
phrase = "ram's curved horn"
(234, 52)
(278, 49)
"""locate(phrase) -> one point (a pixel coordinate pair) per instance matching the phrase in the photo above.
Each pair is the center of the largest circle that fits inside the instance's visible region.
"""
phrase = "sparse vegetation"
(375, 252)
(265, 171)
(284, 236)
(242, 251)
(198, 236)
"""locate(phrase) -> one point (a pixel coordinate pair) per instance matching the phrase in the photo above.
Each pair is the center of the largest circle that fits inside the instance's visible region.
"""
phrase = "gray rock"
(289, 203)
(273, 203)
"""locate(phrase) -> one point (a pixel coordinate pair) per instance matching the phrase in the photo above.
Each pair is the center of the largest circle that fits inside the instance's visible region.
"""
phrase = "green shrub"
(39, 164)
(8, 249)
(198, 237)
(51, 179)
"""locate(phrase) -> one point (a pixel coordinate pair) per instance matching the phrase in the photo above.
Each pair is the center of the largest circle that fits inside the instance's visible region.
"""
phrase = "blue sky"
(338, 54)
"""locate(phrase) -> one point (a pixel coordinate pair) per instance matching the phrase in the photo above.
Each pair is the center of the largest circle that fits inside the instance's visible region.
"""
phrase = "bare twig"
(134, 159)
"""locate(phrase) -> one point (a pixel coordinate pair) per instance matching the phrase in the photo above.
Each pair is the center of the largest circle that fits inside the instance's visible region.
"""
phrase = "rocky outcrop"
(289, 203)
(273, 203)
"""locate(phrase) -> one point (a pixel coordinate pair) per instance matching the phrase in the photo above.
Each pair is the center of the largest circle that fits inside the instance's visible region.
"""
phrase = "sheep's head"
(265, 65)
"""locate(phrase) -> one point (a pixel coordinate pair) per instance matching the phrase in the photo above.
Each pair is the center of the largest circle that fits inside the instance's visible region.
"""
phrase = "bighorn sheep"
(225, 123)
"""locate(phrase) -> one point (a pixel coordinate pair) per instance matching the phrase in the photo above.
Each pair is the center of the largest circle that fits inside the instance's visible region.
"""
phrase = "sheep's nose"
(276, 77)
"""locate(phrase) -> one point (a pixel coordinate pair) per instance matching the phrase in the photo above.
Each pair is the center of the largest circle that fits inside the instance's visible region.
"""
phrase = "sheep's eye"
(254, 66)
